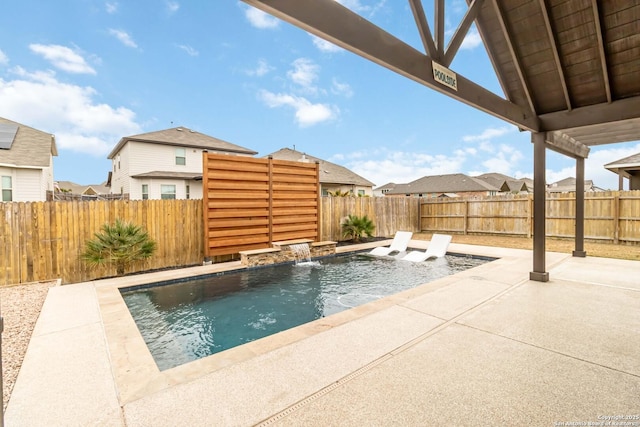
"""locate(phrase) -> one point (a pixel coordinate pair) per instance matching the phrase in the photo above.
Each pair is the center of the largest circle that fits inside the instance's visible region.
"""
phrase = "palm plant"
(340, 193)
(119, 244)
(356, 227)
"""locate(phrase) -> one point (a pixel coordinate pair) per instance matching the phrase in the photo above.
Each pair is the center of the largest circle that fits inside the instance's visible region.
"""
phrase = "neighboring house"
(333, 177)
(67, 190)
(26, 162)
(383, 190)
(568, 185)
(506, 183)
(628, 167)
(452, 185)
(166, 164)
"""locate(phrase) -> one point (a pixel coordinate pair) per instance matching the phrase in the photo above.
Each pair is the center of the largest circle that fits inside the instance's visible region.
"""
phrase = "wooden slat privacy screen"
(249, 203)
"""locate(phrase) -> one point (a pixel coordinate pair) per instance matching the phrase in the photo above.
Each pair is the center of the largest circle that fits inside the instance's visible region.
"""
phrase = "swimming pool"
(185, 321)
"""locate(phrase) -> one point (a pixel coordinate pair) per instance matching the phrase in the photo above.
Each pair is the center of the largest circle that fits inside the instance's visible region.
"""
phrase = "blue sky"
(93, 71)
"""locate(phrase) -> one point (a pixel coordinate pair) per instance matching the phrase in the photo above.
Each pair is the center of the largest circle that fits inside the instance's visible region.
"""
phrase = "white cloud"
(471, 40)
(340, 88)
(488, 134)
(111, 7)
(383, 166)
(172, 6)
(190, 51)
(262, 69)
(69, 111)
(552, 176)
(63, 58)
(260, 19)
(306, 113)
(304, 74)
(124, 37)
(325, 45)
(503, 161)
(4, 59)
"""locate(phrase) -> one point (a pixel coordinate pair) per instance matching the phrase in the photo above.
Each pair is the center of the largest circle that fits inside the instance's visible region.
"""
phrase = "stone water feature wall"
(282, 252)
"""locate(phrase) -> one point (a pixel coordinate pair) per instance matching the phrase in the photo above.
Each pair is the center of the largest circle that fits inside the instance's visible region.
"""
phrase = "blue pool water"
(185, 321)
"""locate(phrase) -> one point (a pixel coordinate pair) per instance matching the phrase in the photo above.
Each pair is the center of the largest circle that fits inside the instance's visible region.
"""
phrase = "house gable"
(183, 137)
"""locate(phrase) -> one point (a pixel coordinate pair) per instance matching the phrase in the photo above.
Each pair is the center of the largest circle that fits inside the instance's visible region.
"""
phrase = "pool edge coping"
(135, 372)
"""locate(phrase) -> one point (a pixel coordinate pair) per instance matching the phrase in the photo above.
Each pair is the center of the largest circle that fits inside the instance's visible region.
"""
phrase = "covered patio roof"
(569, 71)
(568, 68)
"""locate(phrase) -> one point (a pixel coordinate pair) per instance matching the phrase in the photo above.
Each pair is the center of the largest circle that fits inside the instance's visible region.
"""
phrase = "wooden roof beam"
(331, 21)
(439, 26)
(461, 32)
(623, 109)
(556, 56)
(423, 29)
(564, 144)
(601, 52)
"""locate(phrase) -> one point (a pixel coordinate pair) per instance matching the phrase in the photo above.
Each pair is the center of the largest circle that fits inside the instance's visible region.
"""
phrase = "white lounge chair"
(437, 248)
(399, 244)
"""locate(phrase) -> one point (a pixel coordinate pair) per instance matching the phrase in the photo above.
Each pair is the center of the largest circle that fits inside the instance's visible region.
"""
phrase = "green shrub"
(356, 228)
(119, 244)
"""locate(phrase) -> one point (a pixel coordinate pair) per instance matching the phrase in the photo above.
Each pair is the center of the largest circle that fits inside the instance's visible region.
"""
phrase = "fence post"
(616, 218)
(530, 217)
(466, 217)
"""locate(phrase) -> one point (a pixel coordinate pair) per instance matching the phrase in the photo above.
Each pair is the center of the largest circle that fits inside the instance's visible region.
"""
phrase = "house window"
(325, 192)
(168, 192)
(145, 192)
(7, 189)
(181, 156)
(118, 161)
(360, 192)
(188, 191)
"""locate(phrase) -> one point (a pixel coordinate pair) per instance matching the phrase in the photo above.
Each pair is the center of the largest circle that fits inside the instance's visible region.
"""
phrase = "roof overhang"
(168, 175)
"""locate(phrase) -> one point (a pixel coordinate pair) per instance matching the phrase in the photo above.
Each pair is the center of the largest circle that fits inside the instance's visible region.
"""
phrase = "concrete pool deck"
(483, 347)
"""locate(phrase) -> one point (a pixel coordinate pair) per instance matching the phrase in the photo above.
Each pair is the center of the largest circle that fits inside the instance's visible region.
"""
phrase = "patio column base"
(539, 277)
(580, 254)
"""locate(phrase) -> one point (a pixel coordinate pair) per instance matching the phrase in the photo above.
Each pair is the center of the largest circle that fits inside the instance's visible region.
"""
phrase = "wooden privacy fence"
(44, 240)
(389, 214)
(612, 216)
(249, 203)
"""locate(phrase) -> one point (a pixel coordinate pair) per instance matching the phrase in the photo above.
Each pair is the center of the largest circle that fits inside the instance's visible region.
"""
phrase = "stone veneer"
(281, 252)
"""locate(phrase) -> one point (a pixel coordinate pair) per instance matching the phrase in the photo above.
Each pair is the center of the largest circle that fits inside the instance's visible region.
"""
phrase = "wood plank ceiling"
(570, 68)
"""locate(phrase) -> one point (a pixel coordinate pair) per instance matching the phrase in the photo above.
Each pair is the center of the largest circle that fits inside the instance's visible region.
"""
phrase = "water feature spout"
(301, 252)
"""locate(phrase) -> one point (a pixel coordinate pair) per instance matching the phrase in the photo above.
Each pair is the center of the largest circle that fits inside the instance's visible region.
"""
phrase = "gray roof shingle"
(499, 180)
(30, 147)
(632, 160)
(452, 183)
